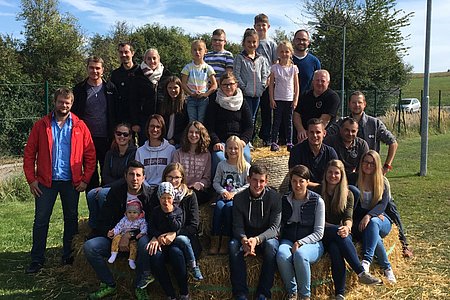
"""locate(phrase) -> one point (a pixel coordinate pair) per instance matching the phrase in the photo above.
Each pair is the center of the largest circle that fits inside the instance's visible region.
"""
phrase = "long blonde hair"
(241, 163)
(377, 177)
(338, 200)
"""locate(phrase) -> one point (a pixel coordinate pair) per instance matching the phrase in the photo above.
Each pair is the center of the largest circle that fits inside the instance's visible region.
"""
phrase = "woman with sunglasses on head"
(337, 239)
(371, 224)
(116, 160)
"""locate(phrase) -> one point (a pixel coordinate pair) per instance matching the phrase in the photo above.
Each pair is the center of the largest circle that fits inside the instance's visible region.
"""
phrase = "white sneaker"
(389, 273)
(366, 265)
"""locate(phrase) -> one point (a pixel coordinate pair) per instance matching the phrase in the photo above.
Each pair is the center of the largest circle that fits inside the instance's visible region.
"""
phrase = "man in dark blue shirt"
(313, 153)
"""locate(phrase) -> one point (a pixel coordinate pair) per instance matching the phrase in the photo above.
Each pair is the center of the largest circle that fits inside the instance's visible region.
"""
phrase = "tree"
(374, 42)
(52, 49)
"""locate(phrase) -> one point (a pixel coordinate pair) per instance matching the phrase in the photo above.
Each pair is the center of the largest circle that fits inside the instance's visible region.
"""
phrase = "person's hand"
(218, 147)
(81, 187)
(139, 236)
(363, 223)
(252, 242)
(136, 128)
(295, 247)
(294, 104)
(227, 195)
(381, 217)
(198, 186)
(35, 190)
(245, 247)
(301, 135)
(343, 231)
(153, 246)
(110, 233)
(273, 104)
(167, 238)
(124, 244)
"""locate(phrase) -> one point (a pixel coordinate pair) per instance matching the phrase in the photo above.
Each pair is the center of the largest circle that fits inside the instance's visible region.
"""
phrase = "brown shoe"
(407, 252)
(224, 245)
(214, 246)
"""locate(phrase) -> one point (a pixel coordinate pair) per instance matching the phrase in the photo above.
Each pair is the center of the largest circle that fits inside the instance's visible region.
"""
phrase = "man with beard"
(59, 158)
(348, 147)
(306, 63)
(121, 77)
(95, 102)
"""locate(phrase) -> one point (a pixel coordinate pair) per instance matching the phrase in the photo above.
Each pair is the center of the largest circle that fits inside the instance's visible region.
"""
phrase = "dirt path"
(10, 169)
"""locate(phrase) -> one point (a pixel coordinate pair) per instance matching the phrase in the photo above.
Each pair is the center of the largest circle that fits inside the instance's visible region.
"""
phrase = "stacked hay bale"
(215, 269)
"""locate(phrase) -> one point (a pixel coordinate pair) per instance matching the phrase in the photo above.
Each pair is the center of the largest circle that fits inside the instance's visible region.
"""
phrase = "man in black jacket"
(95, 102)
(98, 249)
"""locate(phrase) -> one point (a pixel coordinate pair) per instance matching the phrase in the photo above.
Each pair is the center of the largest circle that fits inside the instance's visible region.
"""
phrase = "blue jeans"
(238, 269)
(43, 211)
(253, 103)
(218, 156)
(295, 269)
(372, 242)
(196, 108)
(340, 248)
(174, 255)
(95, 199)
(184, 243)
(98, 249)
(222, 218)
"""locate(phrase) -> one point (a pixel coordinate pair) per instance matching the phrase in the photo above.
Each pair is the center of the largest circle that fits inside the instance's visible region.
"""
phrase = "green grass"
(424, 204)
(438, 81)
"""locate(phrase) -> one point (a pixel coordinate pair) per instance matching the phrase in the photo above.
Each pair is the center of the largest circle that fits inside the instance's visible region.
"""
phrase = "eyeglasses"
(218, 40)
(120, 133)
(228, 85)
(369, 163)
(170, 178)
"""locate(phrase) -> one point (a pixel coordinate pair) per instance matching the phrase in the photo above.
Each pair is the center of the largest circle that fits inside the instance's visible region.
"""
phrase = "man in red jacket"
(59, 158)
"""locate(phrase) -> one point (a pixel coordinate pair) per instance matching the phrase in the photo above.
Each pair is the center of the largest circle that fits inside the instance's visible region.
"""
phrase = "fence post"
(398, 110)
(439, 111)
(375, 104)
(46, 97)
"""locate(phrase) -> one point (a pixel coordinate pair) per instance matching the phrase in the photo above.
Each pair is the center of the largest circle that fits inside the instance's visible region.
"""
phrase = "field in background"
(438, 81)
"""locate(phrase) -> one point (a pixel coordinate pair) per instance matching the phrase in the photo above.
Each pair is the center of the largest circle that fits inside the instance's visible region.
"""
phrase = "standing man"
(96, 104)
(121, 78)
(373, 131)
(349, 147)
(59, 158)
(256, 224)
(313, 153)
(306, 63)
(321, 102)
(98, 249)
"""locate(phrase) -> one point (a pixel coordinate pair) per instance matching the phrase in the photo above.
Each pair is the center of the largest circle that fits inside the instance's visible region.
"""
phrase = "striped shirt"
(220, 61)
(198, 76)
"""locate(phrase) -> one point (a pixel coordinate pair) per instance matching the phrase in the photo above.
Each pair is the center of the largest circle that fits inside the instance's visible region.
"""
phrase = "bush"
(15, 188)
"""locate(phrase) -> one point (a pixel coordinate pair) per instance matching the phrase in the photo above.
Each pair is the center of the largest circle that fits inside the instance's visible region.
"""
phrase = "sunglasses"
(120, 133)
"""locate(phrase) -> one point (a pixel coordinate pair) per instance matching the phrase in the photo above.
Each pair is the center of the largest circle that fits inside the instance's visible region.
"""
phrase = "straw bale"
(215, 269)
(277, 163)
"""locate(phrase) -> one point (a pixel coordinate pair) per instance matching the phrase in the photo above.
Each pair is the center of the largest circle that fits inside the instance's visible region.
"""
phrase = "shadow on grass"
(409, 175)
(49, 283)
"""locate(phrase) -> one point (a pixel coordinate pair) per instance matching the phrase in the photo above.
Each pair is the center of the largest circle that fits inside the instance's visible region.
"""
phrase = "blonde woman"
(337, 239)
(371, 224)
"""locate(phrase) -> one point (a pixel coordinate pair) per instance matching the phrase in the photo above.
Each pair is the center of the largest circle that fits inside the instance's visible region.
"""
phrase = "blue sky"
(200, 16)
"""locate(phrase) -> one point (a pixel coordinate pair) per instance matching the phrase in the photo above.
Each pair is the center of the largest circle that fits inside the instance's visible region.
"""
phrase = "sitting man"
(313, 153)
(97, 249)
(348, 147)
(256, 224)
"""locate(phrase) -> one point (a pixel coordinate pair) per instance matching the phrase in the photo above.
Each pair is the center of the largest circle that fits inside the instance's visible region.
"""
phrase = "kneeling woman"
(371, 223)
(302, 225)
(337, 239)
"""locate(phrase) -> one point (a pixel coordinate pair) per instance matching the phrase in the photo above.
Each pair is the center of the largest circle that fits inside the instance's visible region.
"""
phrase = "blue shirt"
(306, 68)
(61, 149)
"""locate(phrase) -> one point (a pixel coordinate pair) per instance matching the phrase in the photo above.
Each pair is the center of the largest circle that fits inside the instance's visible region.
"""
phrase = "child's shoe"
(132, 264)
(274, 147)
(390, 275)
(113, 257)
(196, 273)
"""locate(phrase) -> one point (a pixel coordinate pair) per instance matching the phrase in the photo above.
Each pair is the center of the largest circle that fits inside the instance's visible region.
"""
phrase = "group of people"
(193, 137)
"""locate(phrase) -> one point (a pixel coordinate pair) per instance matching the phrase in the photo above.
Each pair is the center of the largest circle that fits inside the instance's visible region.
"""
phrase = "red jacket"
(37, 158)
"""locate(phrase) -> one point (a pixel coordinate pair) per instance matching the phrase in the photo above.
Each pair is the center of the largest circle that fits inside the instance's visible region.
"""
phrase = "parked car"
(410, 105)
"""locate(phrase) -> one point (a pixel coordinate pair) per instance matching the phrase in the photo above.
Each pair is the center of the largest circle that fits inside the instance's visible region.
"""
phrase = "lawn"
(438, 81)
(424, 204)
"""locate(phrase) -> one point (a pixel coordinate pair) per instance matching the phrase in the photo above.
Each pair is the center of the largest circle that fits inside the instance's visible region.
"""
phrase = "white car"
(410, 105)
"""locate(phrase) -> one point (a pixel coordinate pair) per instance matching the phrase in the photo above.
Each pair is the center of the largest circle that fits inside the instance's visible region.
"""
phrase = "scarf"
(153, 75)
(179, 195)
(233, 103)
